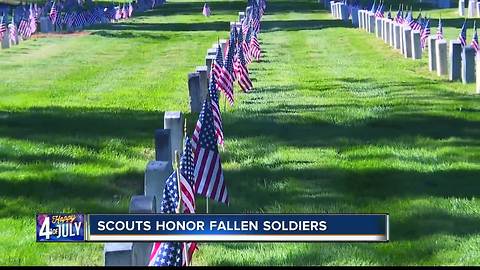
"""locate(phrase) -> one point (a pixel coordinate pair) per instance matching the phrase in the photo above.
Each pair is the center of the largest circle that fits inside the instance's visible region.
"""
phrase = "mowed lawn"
(338, 123)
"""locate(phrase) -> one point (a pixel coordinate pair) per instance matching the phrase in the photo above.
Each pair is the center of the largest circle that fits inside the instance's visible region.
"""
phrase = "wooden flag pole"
(177, 169)
(206, 204)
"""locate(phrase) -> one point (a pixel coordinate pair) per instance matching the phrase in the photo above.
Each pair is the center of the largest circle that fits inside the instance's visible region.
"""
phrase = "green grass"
(339, 122)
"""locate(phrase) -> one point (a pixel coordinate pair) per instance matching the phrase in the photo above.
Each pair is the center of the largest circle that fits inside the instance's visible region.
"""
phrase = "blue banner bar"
(238, 227)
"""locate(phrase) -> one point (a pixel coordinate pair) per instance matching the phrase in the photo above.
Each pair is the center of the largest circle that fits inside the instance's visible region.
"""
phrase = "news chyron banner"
(213, 228)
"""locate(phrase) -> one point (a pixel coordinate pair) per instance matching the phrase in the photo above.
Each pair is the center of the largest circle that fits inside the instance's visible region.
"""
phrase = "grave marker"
(194, 92)
(432, 56)
(455, 54)
(378, 27)
(416, 45)
(6, 39)
(355, 16)
(118, 254)
(174, 121)
(208, 62)
(396, 36)
(141, 250)
(371, 23)
(478, 73)
(441, 57)
(343, 12)
(468, 65)
(461, 8)
(472, 5)
(407, 42)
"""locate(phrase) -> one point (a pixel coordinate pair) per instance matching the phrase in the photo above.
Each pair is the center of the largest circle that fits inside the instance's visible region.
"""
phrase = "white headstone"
(416, 45)
(432, 63)
(461, 8)
(174, 121)
(441, 57)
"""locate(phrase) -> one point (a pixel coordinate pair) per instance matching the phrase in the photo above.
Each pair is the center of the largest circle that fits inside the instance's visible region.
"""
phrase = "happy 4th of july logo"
(60, 227)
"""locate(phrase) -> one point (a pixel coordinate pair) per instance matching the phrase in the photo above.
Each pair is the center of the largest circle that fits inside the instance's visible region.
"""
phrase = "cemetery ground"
(338, 123)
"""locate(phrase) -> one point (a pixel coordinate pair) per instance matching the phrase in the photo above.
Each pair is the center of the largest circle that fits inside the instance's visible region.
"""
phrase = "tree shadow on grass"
(266, 26)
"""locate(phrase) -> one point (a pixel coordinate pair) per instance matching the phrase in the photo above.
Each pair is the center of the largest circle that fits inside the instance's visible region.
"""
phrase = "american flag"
(118, 13)
(263, 6)
(224, 79)
(37, 12)
(130, 10)
(53, 13)
(3, 28)
(399, 17)
(255, 50)
(463, 35)
(379, 12)
(124, 12)
(209, 180)
(13, 31)
(246, 46)
(425, 34)
(217, 118)
(241, 69)
(246, 23)
(475, 38)
(206, 10)
(33, 22)
(24, 28)
(177, 253)
(256, 16)
(408, 18)
(439, 29)
(229, 60)
(416, 24)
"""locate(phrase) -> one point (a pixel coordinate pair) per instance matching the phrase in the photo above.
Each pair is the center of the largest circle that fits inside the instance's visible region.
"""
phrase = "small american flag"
(177, 253)
(425, 34)
(24, 28)
(53, 13)
(13, 31)
(224, 79)
(475, 39)
(379, 12)
(209, 180)
(217, 118)
(246, 46)
(399, 17)
(255, 50)
(124, 12)
(206, 10)
(241, 69)
(33, 22)
(229, 60)
(118, 13)
(439, 29)
(462, 37)
(3, 28)
(130, 9)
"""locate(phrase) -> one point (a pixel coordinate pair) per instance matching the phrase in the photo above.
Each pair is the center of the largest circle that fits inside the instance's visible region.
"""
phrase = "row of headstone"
(339, 10)
(198, 80)
(459, 63)
(473, 8)
(397, 36)
(167, 141)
